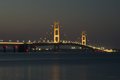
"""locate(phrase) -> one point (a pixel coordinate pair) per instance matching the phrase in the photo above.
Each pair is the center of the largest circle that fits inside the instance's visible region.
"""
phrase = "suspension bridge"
(51, 45)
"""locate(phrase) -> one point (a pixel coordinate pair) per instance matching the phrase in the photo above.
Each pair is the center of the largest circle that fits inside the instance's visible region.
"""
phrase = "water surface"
(59, 71)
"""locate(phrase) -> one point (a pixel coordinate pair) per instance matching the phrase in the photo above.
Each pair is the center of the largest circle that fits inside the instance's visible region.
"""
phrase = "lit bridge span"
(45, 46)
(56, 45)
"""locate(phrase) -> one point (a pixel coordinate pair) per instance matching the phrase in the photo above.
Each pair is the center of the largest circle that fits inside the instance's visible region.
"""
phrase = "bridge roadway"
(30, 46)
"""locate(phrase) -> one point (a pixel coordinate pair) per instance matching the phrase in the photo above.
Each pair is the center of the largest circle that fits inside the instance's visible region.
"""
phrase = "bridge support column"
(4, 48)
(56, 32)
(56, 47)
(23, 48)
(84, 39)
(15, 48)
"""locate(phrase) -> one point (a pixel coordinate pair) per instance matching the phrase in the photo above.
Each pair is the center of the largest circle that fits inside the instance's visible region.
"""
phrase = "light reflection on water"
(60, 71)
(56, 72)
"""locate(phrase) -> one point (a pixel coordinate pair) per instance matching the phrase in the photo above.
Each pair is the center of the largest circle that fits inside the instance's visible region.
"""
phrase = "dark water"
(59, 71)
(101, 69)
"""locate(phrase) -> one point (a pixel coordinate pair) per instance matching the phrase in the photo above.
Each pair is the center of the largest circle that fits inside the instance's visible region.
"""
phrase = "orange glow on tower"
(56, 32)
(84, 39)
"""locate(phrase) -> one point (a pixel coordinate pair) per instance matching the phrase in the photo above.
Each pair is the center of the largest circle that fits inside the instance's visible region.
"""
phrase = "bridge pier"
(4, 48)
(15, 48)
(56, 47)
(23, 48)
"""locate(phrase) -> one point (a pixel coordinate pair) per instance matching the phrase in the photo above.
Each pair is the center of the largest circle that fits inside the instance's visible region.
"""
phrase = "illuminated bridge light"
(29, 41)
(37, 48)
(68, 41)
(108, 50)
(60, 40)
(48, 41)
(77, 42)
(47, 49)
(43, 41)
(73, 48)
(10, 40)
(17, 40)
(34, 41)
(63, 41)
(23, 41)
(1, 40)
(40, 49)
(33, 49)
(80, 47)
(39, 41)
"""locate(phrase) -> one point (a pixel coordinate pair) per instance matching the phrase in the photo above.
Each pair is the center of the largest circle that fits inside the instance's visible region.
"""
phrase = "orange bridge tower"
(56, 32)
(84, 38)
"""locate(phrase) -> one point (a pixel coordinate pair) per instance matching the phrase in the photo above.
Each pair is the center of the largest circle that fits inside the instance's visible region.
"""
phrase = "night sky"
(32, 19)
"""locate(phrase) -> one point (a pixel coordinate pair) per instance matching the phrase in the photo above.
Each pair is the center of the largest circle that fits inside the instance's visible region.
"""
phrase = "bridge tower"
(84, 38)
(56, 32)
